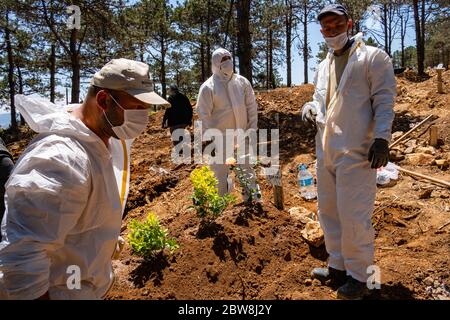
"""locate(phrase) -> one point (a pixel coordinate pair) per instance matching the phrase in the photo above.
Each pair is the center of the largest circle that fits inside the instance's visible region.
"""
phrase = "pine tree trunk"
(75, 64)
(75, 95)
(272, 74)
(305, 43)
(208, 41)
(11, 84)
(385, 27)
(227, 31)
(163, 67)
(53, 73)
(289, 44)
(20, 79)
(141, 52)
(402, 40)
(267, 62)
(422, 38)
(244, 39)
(420, 58)
(390, 30)
(202, 53)
(52, 63)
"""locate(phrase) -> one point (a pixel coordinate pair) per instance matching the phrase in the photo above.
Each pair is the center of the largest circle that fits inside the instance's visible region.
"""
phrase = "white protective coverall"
(227, 103)
(64, 205)
(360, 111)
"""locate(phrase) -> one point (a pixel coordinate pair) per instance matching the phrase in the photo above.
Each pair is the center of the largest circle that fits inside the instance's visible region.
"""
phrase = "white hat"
(130, 76)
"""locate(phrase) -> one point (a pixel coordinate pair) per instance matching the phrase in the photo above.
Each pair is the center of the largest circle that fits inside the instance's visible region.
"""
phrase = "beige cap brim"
(147, 97)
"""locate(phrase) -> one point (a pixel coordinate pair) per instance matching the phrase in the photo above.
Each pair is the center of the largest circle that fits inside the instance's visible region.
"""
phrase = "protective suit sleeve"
(316, 97)
(252, 107)
(383, 90)
(205, 104)
(45, 198)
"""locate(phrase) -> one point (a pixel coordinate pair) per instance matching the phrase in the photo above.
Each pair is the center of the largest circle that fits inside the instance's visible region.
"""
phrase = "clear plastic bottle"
(306, 183)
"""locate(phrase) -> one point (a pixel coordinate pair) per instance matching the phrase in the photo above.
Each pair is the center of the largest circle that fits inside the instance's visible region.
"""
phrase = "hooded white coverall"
(227, 103)
(360, 111)
(64, 205)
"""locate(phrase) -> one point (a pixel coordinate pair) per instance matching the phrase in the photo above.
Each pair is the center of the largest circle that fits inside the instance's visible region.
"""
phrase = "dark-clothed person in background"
(6, 167)
(179, 115)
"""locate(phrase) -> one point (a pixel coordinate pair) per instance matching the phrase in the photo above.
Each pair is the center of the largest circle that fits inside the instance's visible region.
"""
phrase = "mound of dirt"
(422, 97)
(285, 100)
(249, 253)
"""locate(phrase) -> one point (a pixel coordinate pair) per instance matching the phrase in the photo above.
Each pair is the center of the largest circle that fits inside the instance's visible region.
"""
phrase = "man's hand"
(379, 153)
(309, 113)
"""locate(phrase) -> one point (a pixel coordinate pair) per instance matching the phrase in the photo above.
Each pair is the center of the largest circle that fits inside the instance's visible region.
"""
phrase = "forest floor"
(257, 252)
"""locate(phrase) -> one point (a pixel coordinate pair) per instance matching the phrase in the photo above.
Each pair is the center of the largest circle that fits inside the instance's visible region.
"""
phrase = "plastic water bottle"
(306, 183)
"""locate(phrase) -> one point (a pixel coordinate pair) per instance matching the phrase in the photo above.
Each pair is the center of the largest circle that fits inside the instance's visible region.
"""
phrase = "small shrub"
(206, 199)
(245, 179)
(148, 238)
(253, 194)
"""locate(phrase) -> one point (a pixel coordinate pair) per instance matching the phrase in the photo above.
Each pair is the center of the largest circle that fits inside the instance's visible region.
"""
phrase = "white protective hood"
(224, 102)
(217, 57)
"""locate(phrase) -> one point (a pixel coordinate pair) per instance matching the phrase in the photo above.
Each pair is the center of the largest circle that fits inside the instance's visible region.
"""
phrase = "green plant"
(206, 199)
(148, 238)
(246, 180)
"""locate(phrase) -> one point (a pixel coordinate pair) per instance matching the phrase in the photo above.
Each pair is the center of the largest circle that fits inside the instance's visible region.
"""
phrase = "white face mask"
(134, 123)
(227, 68)
(338, 42)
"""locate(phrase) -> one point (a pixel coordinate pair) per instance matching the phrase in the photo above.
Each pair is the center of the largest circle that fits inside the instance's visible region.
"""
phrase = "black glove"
(379, 153)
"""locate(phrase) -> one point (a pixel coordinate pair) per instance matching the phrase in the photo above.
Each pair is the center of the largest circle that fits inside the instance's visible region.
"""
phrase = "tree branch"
(81, 40)
(53, 30)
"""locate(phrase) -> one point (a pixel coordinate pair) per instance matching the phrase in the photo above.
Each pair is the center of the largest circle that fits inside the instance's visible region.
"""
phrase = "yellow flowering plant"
(206, 199)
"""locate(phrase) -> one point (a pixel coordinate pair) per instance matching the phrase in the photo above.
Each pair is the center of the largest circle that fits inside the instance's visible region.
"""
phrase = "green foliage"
(322, 52)
(268, 33)
(148, 238)
(371, 42)
(437, 44)
(357, 10)
(207, 201)
(245, 179)
(177, 38)
(410, 57)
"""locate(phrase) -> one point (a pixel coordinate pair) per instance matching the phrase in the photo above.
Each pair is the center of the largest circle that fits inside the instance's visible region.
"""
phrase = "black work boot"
(329, 276)
(353, 290)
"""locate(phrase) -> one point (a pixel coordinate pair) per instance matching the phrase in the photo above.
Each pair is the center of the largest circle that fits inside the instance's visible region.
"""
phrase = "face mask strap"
(112, 126)
(116, 102)
(107, 119)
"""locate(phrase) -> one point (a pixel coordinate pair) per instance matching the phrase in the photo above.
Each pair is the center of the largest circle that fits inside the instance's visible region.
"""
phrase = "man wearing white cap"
(65, 198)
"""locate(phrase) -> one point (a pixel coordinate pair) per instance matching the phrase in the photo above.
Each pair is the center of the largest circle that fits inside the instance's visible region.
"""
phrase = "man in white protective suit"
(226, 101)
(66, 196)
(352, 107)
